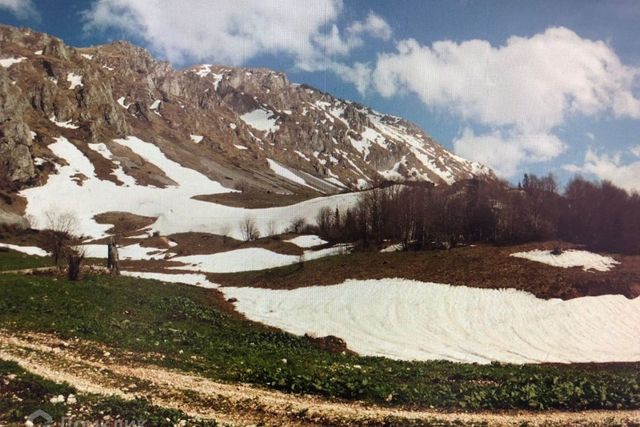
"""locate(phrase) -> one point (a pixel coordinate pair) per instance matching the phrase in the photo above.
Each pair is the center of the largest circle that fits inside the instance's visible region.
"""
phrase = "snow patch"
(286, 173)
(235, 261)
(196, 138)
(29, 250)
(308, 241)
(411, 320)
(189, 279)
(122, 103)
(570, 258)
(68, 124)
(261, 119)
(75, 80)
(8, 62)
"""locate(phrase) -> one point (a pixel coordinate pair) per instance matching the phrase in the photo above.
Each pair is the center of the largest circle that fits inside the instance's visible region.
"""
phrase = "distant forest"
(421, 216)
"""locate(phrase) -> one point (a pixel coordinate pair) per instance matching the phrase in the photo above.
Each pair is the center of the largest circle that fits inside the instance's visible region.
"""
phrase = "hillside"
(245, 129)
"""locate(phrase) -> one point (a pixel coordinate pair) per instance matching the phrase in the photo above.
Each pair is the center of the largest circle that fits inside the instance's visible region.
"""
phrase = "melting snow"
(29, 250)
(240, 147)
(68, 124)
(8, 62)
(251, 259)
(247, 259)
(570, 258)
(190, 279)
(122, 103)
(410, 320)
(174, 206)
(130, 252)
(75, 80)
(87, 56)
(286, 173)
(261, 119)
(197, 138)
(307, 241)
(119, 173)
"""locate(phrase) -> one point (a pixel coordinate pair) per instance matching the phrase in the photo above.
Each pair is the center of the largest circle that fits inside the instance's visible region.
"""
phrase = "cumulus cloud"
(23, 9)
(530, 83)
(610, 168)
(528, 86)
(504, 152)
(235, 32)
(636, 152)
(333, 43)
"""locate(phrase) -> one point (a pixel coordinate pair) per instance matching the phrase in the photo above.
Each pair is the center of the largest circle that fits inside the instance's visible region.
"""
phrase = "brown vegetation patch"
(204, 243)
(481, 266)
(124, 223)
(254, 200)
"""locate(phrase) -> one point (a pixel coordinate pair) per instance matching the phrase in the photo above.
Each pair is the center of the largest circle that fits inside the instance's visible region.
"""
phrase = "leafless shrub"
(297, 225)
(60, 232)
(249, 229)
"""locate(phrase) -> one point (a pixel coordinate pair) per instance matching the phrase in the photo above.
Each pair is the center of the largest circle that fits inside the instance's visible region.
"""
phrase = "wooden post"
(113, 263)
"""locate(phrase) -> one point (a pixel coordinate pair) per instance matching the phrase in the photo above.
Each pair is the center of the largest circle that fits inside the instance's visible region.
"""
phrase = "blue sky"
(524, 86)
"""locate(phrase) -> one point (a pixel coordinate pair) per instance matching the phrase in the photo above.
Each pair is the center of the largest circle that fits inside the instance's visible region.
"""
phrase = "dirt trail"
(95, 368)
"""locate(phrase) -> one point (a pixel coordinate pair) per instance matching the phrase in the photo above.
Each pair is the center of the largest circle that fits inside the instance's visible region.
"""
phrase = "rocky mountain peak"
(243, 127)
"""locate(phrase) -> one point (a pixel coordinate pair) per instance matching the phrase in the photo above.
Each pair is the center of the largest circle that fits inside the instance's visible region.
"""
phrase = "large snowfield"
(176, 210)
(410, 320)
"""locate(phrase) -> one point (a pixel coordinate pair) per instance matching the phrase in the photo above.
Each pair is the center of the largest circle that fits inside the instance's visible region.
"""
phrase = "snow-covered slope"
(411, 320)
(76, 187)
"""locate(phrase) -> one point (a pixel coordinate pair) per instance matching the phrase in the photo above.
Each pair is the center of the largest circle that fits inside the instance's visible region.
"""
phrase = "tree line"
(422, 216)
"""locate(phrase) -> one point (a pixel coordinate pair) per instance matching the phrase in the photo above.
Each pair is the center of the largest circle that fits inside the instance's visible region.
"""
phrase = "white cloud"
(23, 9)
(636, 152)
(333, 43)
(228, 32)
(531, 84)
(505, 152)
(611, 168)
(374, 26)
(590, 135)
(522, 90)
(235, 32)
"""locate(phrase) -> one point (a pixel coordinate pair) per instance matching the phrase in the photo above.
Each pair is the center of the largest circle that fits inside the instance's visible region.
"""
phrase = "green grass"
(22, 393)
(185, 324)
(11, 260)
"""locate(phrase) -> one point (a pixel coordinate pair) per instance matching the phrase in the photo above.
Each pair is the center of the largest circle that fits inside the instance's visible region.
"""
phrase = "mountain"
(247, 129)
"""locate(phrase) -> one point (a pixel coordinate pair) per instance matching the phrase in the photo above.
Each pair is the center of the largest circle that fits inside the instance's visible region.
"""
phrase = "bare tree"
(297, 225)
(249, 229)
(60, 231)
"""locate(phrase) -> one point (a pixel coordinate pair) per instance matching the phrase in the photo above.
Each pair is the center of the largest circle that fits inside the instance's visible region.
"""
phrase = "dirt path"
(95, 368)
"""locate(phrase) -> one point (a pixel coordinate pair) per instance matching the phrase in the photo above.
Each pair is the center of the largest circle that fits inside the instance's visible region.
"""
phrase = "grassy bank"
(188, 326)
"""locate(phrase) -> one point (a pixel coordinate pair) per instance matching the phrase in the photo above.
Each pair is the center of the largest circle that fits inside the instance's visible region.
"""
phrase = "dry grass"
(254, 200)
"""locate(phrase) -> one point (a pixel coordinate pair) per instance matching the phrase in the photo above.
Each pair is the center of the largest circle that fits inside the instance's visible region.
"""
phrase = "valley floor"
(176, 352)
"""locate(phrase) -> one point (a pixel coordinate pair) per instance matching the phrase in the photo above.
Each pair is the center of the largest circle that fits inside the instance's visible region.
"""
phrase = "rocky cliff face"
(246, 128)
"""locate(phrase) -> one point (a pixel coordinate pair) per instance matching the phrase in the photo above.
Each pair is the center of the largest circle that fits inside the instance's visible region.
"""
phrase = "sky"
(522, 86)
